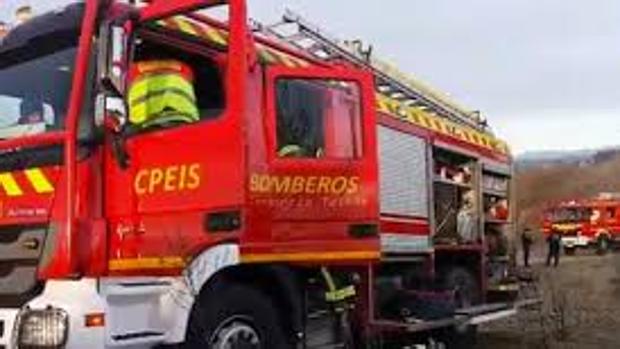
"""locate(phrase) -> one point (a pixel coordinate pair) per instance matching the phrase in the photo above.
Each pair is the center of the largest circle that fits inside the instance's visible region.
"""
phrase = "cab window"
(611, 212)
(318, 119)
(197, 91)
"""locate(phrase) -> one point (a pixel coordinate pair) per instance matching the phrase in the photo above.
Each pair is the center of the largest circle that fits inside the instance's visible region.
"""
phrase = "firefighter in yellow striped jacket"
(161, 94)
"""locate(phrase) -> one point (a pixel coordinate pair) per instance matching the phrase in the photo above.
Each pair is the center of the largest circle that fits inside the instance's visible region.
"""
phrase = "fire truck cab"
(305, 207)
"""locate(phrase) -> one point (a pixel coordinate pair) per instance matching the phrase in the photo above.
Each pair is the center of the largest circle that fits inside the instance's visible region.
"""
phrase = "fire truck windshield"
(34, 94)
(36, 69)
(570, 214)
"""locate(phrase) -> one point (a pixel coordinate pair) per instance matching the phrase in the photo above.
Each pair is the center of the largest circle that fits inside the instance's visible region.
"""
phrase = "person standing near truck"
(4, 29)
(526, 244)
(554, 242)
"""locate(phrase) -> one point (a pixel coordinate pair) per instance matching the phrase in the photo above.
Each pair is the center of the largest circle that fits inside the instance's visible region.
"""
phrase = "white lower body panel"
(575, 241)
(138, 312)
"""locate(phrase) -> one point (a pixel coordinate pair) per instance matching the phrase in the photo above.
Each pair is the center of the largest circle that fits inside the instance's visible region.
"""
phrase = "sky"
(545, 73)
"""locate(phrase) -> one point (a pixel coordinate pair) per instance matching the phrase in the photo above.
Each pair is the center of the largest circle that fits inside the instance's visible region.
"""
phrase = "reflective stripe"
(334, 294)
(310, 256)
(162, 95)
(39, 181)
(290, 150)
(267, 57)
(153, 108)
(144, 85)
(7, 181)
(159, 67)
(419, 117)
(171, 262)
(340, 294)
(186, 27)
(331, 285)
(217, 36)
(169, 117)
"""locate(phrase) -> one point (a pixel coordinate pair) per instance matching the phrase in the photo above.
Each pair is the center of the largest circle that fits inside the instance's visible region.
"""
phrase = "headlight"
(42, 329)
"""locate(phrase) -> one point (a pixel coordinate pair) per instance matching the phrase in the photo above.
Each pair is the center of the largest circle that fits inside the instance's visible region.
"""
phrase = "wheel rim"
(235, 333)
(462, 292)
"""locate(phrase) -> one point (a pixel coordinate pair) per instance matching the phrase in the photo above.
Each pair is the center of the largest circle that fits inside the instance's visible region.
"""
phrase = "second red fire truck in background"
(585, 223)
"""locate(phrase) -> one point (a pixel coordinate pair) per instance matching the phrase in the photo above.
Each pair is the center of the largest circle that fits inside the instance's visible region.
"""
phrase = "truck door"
(179, 172)
(317, 199)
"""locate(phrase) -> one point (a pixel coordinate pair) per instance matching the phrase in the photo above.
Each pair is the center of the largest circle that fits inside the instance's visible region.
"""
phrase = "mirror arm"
(119, 149)
(114, 124)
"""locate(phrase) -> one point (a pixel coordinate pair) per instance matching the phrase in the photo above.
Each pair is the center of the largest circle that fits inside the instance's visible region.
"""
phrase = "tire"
(238, 316)
(460, 338)
(569, 251)
(466, 287)
(468, 293)
(602, 245)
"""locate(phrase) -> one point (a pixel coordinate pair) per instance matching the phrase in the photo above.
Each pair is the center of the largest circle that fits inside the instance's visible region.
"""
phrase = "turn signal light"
(94, 320)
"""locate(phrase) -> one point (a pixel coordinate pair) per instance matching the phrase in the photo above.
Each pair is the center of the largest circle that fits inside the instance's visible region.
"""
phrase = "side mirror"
(114, 58)
(111, 116)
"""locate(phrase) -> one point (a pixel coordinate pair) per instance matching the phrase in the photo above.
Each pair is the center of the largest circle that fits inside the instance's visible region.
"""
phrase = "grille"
(20, 250)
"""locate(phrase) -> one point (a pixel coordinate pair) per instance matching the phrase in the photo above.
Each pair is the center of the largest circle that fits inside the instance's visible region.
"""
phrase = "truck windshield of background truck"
(318, 118)
(36, 71)
(571, 214)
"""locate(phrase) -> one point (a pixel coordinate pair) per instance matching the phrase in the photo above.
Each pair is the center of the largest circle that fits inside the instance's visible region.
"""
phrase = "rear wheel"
(467, 293)
(460, 338)
(234, 317)
(465, 285)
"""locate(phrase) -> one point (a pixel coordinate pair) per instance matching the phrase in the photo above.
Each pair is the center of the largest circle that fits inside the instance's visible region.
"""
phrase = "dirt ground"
(580, 308)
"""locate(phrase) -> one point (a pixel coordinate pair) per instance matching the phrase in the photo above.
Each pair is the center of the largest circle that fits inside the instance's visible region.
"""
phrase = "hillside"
(583, 157)
(551, 158)
(562, 180)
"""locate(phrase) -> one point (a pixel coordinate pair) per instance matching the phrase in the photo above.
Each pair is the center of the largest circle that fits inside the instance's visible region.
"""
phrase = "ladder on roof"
(390, 81)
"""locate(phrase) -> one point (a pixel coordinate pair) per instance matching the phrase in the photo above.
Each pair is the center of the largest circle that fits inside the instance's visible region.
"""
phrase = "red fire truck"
(388, 221)
(585, 223)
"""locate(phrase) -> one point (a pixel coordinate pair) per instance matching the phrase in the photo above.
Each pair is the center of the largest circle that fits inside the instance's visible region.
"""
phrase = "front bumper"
(575, 241)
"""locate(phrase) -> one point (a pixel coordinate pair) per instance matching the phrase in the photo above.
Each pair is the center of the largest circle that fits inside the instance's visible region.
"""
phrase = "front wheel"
(602, 245)
(569, 251)
(236, 316)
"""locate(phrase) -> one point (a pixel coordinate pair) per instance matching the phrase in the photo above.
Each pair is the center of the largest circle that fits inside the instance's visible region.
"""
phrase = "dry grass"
(580, 309)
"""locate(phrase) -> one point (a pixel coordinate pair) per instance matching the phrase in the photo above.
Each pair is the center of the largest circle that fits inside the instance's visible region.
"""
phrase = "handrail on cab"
(32, 141)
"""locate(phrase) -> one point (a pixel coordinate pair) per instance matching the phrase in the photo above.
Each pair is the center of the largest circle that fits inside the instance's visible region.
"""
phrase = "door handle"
(31, 244)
